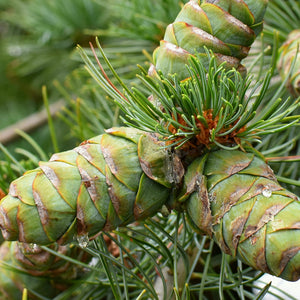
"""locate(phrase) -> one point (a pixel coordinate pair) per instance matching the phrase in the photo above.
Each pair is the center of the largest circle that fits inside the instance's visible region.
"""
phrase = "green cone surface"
(234, 197)
(36, 269)
(108, 181)
(124, 175)
(226, 27)
(290, 58)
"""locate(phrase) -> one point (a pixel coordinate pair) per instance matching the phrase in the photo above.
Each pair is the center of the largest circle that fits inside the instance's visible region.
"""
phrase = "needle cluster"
(213, 106)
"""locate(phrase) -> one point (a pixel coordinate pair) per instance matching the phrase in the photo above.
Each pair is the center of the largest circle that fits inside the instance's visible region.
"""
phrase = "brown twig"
(29, 123)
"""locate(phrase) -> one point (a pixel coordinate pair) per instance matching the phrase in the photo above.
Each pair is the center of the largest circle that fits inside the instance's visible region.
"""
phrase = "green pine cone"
(288, 56)
(226, 27)
(36, 269)
(108, 181)
(234, 197)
